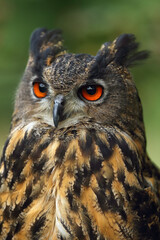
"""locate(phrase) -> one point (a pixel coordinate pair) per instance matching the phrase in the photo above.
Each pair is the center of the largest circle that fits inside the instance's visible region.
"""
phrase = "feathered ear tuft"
(46, 45)
(122, 51)
(126, 53)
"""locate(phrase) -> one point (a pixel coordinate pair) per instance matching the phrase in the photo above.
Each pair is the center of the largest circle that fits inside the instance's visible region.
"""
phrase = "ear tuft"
(126, 50)
(46, 45)
(122, 51)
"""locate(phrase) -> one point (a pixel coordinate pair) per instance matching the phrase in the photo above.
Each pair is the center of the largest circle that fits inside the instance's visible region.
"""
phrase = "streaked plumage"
(73, 168)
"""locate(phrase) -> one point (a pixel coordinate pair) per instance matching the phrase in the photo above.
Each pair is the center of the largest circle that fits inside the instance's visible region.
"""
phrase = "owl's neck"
(135, 132)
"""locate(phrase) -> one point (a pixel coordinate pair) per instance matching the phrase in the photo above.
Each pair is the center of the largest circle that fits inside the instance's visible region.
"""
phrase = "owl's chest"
(88, 189)
(73, 189)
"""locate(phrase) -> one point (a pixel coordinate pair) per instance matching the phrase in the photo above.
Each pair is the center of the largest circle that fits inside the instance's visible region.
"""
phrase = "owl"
(75, 165)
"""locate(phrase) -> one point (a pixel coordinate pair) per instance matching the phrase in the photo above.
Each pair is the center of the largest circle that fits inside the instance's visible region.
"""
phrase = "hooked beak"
(58, 109)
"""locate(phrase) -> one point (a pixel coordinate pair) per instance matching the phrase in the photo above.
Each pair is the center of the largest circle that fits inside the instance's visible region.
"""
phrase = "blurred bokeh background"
(86, 24)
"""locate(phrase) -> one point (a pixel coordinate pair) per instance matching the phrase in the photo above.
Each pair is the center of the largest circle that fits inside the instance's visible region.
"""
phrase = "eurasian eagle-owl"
(75, 164)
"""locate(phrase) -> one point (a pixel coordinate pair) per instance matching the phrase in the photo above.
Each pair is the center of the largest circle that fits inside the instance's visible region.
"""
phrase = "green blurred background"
(86, 25)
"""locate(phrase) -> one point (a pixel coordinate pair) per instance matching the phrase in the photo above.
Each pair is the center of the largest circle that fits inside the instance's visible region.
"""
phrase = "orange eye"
(92, 92)
(40, 89)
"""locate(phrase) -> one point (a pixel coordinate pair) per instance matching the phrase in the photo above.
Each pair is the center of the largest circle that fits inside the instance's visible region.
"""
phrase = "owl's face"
(63, 89)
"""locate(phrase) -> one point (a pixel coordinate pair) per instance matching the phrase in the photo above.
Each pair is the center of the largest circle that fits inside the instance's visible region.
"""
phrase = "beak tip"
(55, 123)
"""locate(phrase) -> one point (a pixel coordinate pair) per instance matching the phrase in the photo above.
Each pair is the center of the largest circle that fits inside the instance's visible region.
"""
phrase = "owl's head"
(63, 89)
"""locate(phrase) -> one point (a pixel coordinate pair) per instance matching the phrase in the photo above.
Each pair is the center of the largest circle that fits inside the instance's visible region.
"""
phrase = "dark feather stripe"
(13, 162)
(86, 175)
(10, 235)
(86, 144)
(35, 155)
(79, 232)
(95, 164)
(105, 150)
(103, 182)
(19, 225)
(21, 153)
(65, 227)
(102, 199)
(88, 224)
(60, 153)
(78, 182)
(3, 160)
(20, 156)
(130, 157)
(10, 212)
(126, 234)
(38, 166)
(37, 226)
(72, 202)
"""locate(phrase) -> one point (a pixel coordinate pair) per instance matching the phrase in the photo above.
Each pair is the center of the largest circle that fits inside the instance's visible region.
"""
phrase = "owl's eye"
(91, 92)
(40, 89)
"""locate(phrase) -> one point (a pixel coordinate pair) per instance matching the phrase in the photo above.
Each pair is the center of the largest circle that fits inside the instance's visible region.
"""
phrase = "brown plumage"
(75, 164)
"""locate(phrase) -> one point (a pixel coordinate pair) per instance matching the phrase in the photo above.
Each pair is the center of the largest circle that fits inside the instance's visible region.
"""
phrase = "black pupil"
(91, 89)
(42, 87)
